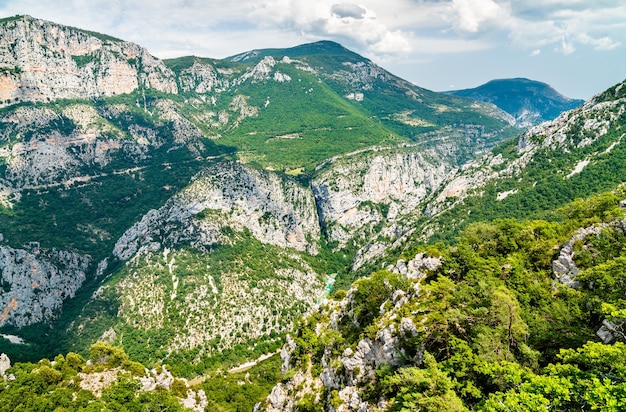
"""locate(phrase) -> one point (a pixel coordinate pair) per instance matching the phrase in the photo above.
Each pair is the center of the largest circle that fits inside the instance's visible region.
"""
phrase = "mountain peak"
(529, 101)
(319, 48)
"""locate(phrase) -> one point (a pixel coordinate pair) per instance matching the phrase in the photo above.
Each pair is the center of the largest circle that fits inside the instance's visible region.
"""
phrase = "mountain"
(575, 155)
(529, 102)
(200, 213)
(131, 187)
(516, 314)
(522, 308)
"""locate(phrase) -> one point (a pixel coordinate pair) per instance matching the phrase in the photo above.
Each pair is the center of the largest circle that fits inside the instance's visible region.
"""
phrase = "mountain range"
(529, 102)
(190, 211)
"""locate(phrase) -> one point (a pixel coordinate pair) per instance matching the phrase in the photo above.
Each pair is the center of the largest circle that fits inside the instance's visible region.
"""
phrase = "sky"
(576, 46)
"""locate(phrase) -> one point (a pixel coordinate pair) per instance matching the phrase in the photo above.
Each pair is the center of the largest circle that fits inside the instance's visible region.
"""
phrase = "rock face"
(348, 372)
(41, 61)
(36, 282)
(416, 268)
(5, 364)
(364, 189)
(276, 211)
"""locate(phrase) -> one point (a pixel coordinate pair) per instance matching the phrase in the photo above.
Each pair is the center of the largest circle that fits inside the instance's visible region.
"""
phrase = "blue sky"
(577, 46)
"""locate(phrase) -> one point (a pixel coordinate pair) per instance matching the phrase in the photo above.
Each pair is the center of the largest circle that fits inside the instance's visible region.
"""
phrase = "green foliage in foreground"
(56, 385)
(494, 330)
(241, 391)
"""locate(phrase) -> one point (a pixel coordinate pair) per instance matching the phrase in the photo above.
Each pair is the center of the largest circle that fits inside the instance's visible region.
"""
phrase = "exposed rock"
(261, 72)
(96, 382)
(285, 353)
(564, 268)
(161, 378)
(349, 372)
(109, 336)
(276, 211)
(609, 331)
(277, 398)
(5, 364)
(51, 61)
(348, 190)
(36, 283)
(416, 268)
(201, 77)
(196, 401)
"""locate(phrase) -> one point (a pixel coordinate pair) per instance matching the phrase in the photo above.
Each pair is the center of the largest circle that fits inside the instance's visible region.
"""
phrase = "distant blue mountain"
(530, 102)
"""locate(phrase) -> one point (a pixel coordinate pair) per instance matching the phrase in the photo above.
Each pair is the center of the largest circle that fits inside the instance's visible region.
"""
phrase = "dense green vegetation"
(544, 185)
(304, 123)
(240, 392)
(56, 385)
(212, 287)
(495, 331)
(109, 381)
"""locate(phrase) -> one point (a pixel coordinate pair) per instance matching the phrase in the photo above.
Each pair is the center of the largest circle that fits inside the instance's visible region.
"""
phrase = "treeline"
(494, 330)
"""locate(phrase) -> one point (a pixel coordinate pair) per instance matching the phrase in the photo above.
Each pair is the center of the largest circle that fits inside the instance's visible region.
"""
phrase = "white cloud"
(344, 10)
(392, 42)
(356, 24)
(603, 43)
(535, 52)
(566, 47)
(472, 14)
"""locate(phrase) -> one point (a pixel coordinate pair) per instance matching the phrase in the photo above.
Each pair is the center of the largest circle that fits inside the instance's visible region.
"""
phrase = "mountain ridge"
(235, 185)
(199, 216)
(529, 101)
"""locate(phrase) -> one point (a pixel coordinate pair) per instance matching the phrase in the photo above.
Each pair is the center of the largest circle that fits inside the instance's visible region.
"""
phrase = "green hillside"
(489, 329)
(406, 249)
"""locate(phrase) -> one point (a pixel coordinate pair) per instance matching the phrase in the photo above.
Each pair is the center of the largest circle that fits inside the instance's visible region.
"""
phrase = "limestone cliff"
(369, 188)
(35, 282)
(42, 61)
(275, 210)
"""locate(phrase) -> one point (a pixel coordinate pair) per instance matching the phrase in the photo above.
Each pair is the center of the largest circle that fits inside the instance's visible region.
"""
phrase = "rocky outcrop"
(565, 271)
(564, 268)
(5, 364)
(44, 61)
(348, 372)
(201, 77)
(417, 268)
(35, 283)
(275, 210)
(367, 188)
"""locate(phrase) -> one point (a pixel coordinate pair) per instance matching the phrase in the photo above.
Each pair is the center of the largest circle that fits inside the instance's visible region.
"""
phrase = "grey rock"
(609, 331)
(563, 267)
(276, 211)
(39, 281)
(285, 353)
(5, 364)
(57, 62)
(416, 268)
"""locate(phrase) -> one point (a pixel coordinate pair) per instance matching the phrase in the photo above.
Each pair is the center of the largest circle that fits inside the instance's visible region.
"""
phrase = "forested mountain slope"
(193, 215)
(522, 315)
(131, 185)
